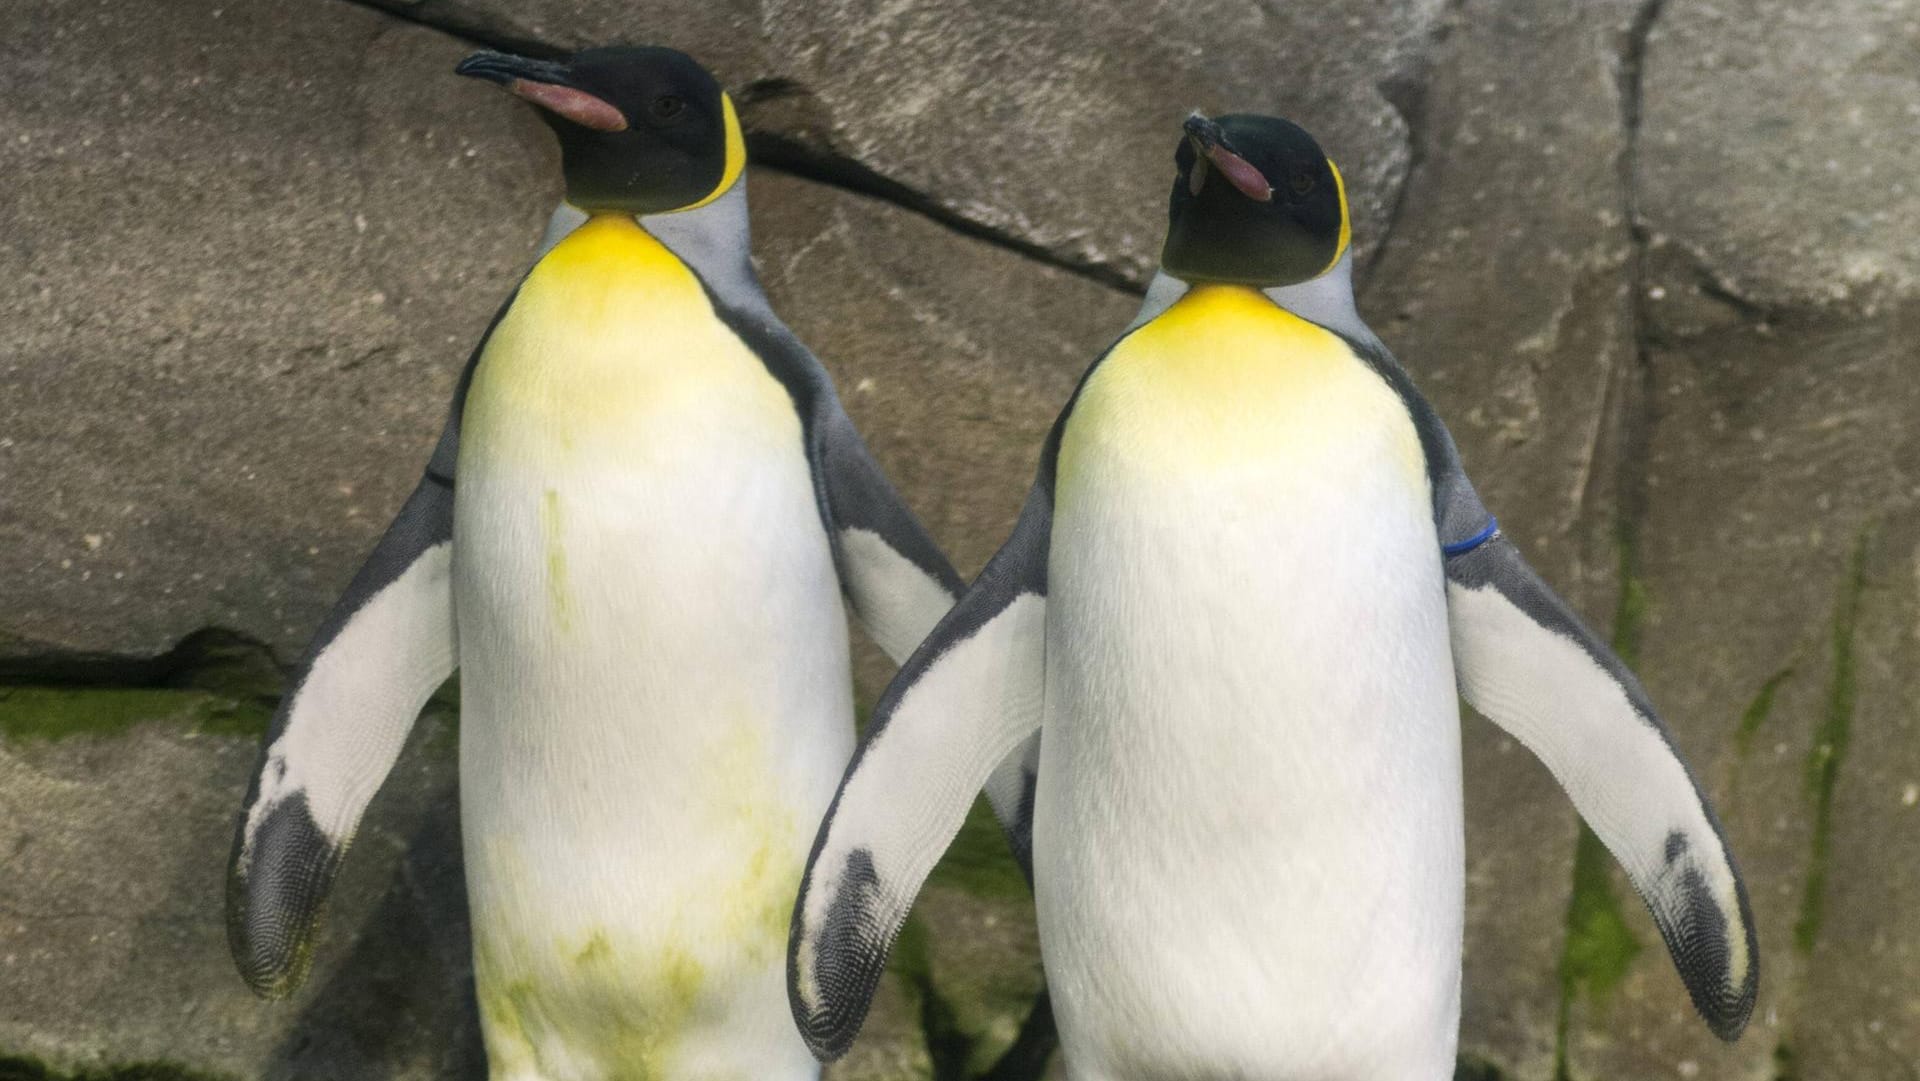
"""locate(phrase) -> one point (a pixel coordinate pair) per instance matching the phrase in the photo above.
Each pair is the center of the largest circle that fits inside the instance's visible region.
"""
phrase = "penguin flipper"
(380, 654)
(965, 703)
(898, 581)
(388, 643)
(899, 584)
(1526, 662)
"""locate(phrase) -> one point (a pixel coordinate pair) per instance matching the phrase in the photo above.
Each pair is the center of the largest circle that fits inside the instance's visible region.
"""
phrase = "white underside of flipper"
(376, 674)
(914, 602)
(1622, 774)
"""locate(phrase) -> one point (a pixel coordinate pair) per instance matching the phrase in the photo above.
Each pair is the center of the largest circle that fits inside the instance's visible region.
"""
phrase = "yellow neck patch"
(612, 338)
(1227, 379)
(736, 155)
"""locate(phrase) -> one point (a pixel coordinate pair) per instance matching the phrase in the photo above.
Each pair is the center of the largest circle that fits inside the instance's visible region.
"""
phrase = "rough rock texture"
(248, 253)
(112, 942)
(1779, 149)
(1653, 259)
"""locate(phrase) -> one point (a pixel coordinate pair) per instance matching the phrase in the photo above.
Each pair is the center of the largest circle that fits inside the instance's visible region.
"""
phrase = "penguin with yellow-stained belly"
(1233, 618)
(634, 540)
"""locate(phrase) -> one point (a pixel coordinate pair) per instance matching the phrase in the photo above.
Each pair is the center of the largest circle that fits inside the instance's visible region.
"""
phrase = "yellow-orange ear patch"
(1346, 217)
(736, 155)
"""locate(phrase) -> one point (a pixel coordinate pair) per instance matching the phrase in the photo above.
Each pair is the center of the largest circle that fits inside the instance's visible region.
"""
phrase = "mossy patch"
(49, 713)
(1784, 1066)
(213, 681)
(948, 1048)
(979, 862)
(1754, 717)
(19, 1068)
(1471, 1067)
(1600, 946)
(1830, 741)
(954, 1052)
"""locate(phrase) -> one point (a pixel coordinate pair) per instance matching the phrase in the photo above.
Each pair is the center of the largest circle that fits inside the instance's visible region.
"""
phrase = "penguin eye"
(1302, 183)
(667, 106)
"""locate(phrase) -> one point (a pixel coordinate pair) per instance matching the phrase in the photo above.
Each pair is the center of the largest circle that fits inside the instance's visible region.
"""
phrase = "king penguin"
(637, 538)
(1237, 606)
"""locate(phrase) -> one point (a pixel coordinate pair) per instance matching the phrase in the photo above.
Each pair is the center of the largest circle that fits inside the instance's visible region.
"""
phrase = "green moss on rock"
(20, 1068)
(1757, 711)
(213, 681)
(49, 713)
(979, 861)
(1600, 946)
(1830, 743)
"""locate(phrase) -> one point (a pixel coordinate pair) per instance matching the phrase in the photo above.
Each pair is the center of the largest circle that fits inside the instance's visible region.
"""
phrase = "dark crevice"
(782, 151)
(214, 680)
(1408, 92)
(1751, 310)
(773, 88)
(1599, 945)
(472, 29)
(1637, 418)
(949, 1047)
(207, 657)
(795, 157)
(1471, 1067)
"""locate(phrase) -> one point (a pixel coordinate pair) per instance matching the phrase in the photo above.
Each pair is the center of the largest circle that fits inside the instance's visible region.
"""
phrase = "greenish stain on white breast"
(551, 531)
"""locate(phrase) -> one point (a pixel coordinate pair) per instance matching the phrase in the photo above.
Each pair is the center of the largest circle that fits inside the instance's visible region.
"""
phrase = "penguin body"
(1229, 629)
(1226, 769)
(656, 707)
(638, 539)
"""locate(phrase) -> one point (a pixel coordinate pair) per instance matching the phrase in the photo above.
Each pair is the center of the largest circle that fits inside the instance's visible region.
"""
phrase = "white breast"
(1248, 819)
(655, 696)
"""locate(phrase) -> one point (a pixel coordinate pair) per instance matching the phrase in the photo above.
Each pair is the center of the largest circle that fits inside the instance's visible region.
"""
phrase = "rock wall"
(1654, 260)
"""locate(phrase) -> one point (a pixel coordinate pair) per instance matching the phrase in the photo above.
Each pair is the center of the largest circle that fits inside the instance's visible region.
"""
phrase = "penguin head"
(1256, 202)
(643, 129)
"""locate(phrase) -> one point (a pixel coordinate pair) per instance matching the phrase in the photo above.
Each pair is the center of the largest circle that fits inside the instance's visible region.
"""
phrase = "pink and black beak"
(548, 84)
(1210, 145)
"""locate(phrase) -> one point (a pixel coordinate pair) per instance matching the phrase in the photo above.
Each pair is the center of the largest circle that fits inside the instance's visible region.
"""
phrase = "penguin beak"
(547, 84)
(1210, 145)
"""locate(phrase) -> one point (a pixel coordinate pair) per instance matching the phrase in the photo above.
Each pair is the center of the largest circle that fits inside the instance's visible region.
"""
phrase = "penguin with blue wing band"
(1247, 590)
(637, 539)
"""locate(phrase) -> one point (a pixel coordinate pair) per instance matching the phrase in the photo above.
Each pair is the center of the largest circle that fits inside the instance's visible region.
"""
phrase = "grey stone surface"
(248, 248)
(1056, 122)
(1781, 452)
(1779, 146)
(113, 943)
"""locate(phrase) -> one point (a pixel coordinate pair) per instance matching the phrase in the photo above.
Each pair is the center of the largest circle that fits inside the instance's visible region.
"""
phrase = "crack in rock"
(795, 154)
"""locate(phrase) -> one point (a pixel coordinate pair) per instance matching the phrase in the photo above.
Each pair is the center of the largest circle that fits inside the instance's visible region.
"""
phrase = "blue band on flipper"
(1459, 548)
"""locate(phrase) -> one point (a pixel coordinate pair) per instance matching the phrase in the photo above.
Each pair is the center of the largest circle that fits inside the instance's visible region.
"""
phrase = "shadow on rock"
(402, 1004)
